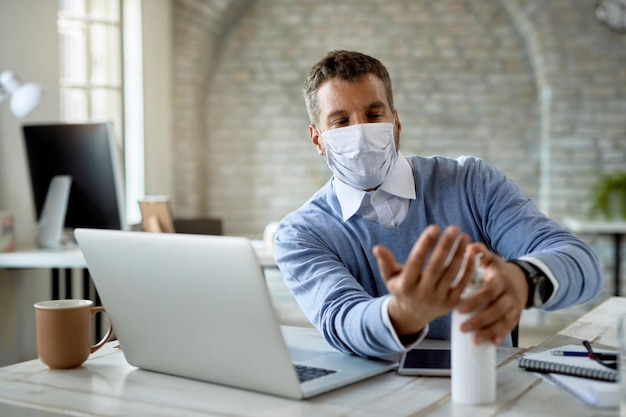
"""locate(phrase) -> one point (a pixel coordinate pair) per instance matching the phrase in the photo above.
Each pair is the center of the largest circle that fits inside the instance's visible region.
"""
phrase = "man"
(380, 255)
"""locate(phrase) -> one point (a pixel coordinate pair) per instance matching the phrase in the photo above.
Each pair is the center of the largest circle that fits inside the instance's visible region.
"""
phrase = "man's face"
(343, 103)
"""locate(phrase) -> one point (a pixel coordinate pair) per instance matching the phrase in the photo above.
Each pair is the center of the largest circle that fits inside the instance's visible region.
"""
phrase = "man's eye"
(375, 116)
(339, 123)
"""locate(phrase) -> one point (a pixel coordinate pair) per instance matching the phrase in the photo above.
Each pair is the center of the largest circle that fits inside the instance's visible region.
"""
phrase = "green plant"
(608, 197)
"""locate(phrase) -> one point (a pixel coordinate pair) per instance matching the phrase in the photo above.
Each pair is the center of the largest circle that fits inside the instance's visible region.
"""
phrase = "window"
(91, 62)
(94, 36)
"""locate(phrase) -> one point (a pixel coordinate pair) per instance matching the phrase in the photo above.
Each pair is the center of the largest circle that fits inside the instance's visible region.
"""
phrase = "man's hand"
(499, 302)
(421, 293)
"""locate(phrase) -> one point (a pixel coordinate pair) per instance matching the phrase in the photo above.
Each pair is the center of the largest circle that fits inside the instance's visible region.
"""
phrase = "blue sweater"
(329, 267)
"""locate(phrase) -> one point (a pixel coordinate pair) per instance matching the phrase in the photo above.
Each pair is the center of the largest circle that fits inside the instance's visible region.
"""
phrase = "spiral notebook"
(588, 380)
(580, 366)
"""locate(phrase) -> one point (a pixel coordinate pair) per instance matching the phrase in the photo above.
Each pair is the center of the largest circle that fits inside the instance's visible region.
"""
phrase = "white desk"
(55, 260)
(43, 258)
(68, 259)
(73, 258)
(616, 229)
(107, 386)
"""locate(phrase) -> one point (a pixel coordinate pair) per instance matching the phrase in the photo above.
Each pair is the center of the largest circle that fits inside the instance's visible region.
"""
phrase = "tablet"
(425, 362)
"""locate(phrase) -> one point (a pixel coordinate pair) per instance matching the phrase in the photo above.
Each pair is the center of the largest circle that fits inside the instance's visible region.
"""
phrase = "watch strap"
(537, 281)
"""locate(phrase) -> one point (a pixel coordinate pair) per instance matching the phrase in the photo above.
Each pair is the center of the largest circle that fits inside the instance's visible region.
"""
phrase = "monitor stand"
(52, 220)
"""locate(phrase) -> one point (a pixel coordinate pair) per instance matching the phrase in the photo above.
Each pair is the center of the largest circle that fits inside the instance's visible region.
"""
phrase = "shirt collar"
(400, 183)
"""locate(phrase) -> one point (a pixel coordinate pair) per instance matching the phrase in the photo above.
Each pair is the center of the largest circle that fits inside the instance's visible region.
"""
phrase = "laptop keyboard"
(307, 373)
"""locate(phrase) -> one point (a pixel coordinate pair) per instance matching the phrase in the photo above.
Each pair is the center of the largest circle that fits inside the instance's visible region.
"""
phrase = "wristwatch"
(539, 286)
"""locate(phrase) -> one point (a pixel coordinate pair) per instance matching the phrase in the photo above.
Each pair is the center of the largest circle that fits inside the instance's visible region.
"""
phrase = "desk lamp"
(24, 97)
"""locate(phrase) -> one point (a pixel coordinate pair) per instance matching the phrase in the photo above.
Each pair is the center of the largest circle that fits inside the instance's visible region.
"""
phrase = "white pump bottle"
(473, 366)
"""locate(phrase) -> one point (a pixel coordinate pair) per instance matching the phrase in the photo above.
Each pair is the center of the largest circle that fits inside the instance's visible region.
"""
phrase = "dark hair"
(348, 65)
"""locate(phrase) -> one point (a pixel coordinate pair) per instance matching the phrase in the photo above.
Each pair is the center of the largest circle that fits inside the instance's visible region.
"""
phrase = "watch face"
(612, 13)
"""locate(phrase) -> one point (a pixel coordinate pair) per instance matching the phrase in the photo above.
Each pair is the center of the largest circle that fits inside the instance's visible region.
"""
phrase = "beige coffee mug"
(64, 332)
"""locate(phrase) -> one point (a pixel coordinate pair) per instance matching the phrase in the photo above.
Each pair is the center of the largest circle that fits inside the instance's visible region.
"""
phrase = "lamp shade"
(24, 97)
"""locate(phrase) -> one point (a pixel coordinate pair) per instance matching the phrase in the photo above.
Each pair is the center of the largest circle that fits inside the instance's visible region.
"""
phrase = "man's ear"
(316, 139)
(398, 124)
(398, 129)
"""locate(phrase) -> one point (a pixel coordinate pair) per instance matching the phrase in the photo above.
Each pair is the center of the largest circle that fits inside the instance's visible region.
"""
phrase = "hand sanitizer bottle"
(473, 366)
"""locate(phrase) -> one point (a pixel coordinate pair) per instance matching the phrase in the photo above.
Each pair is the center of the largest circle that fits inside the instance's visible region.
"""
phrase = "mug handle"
(94, 311)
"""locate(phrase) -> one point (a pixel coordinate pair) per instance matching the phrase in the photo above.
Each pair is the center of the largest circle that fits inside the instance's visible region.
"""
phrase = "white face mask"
(361, 155)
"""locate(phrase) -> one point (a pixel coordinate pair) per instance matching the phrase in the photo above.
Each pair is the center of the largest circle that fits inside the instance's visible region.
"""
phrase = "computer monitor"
(76, 178)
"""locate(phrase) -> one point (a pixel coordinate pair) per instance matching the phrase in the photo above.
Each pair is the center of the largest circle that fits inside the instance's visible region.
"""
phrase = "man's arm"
(333, 300)
(513, 228)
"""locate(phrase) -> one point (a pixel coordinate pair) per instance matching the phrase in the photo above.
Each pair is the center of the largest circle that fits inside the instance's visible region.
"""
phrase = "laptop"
(197, 306)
